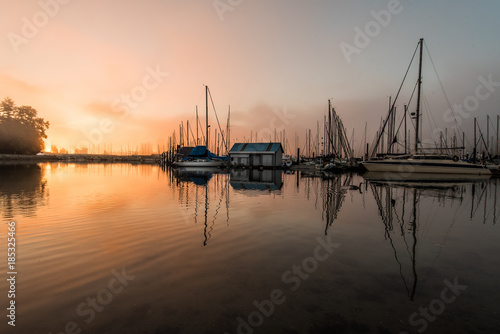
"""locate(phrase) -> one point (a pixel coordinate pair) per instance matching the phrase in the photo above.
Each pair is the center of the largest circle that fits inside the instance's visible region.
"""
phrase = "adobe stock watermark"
(363, 37)
(95, 304)
(293, 278)
(437, 306)
(223, 6)
(31, 27)
(125, 104)
(471, 103)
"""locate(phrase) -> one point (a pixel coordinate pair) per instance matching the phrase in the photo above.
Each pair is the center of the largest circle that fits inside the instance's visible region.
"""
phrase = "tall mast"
(406, 111)
(474, 153)
(390, 129)
(417, 128)
(498, 119)
(488, 134)
(206, 103)
(364, 143)
(324, 136)
(329, 127)
(317, 138)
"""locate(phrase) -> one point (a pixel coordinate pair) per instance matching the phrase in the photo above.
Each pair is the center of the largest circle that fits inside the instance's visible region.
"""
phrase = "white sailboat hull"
(438, 166)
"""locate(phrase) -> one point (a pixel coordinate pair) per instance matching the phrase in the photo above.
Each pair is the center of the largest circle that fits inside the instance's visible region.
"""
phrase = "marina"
(250, 167)
(334, 152)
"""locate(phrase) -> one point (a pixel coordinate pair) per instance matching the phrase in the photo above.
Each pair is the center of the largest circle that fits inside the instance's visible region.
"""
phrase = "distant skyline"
(128, 72)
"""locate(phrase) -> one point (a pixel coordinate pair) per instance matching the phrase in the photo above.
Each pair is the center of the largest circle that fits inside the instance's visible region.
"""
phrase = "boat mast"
(474, 153)
(206, 104)
(330, 141)
(488, 135)
(390, 129)
(406, 145)
(417, 128)
(496, 151)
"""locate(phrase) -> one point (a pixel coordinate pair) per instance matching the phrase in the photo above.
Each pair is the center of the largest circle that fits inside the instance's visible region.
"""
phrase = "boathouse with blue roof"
(267, 155)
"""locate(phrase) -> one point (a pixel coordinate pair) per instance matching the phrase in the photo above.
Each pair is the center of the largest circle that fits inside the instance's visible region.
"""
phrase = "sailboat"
(407, 165)
(200, 156)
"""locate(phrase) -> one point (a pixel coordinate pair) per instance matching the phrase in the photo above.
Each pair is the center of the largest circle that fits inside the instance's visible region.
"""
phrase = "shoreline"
(147, 159)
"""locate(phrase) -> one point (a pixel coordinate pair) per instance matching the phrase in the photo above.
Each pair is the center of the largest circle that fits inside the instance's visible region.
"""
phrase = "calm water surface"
(118, 248)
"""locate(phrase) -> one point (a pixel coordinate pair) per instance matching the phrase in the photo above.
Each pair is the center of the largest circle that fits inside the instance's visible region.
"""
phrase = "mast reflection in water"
(398, 203)
(199, 179)
(205, 246)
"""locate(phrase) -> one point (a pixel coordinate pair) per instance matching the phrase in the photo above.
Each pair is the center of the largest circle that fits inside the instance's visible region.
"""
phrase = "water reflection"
(198, 176)
(406, 211)
(329, 192)
(194, 186)
(334, 190)
(410, 210)
(22, 189)
(451, 188)
(169, 228)
(204, 193)
(254, 179)
(426, 180)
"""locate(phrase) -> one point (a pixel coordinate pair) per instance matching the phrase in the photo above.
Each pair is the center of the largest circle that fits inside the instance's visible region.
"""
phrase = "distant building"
(256, 154)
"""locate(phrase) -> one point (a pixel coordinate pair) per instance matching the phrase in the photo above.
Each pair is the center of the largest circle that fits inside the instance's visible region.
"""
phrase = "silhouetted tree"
(21, 130)
(22, 190)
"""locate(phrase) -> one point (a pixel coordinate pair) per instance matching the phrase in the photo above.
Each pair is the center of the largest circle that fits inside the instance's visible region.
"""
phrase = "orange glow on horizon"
(121, 81)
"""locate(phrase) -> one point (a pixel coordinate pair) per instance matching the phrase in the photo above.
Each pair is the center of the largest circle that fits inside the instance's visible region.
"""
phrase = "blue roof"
(255, 147)
(199, 151)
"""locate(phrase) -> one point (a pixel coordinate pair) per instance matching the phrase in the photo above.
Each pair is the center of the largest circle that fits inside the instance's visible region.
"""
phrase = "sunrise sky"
(125, 72)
